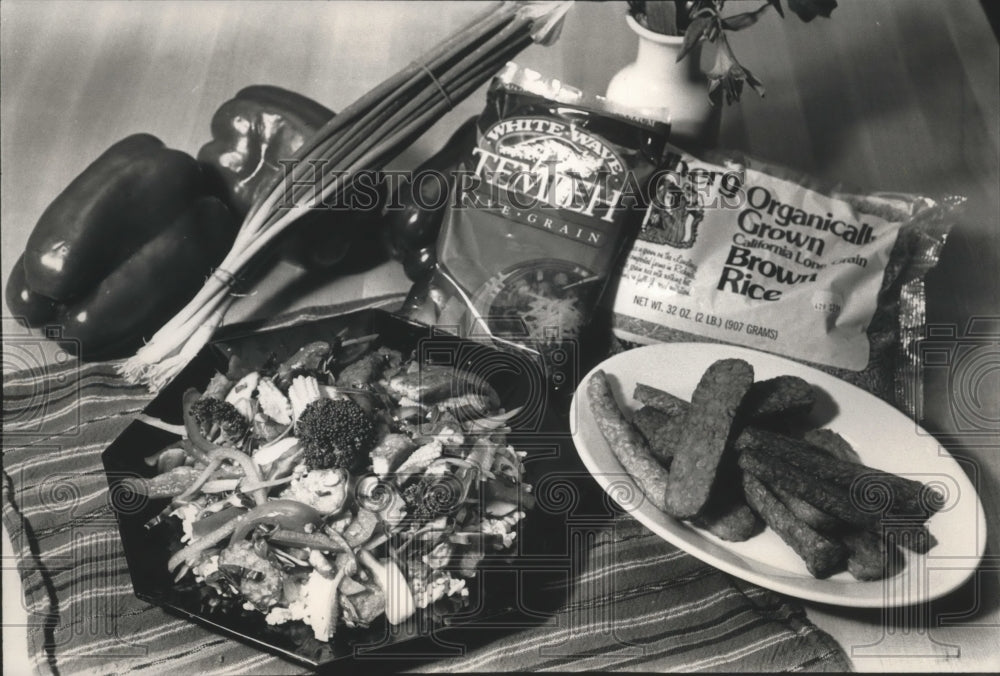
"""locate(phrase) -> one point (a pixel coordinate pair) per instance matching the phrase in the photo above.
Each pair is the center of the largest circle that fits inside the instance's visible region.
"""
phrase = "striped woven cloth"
(636, 603)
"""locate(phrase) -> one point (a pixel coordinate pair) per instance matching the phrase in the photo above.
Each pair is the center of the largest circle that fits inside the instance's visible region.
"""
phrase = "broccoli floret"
(335, 433)
(220, 421)
(413, 495)
(428, 499)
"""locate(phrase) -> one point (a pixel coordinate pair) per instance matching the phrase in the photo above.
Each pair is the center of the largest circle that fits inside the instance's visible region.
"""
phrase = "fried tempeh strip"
(831, 498)
(705, 435)
(834, 444)
(659, 428)
(668, 411)
(908, 497)
(810, 514)
(870, 557)
(783, 395)
(665, 440)
(664, 401)
(736, 523)
(821, 555)
(766, 398)
(916, 538)
(648, 419)
(626, 442)
(727, 514)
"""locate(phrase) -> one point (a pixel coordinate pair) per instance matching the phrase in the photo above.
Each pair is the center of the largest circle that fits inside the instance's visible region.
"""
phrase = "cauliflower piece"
(208, 565)
(434, 587)
(503, 527)
(273, 403)
(265, 455)
(241, 396)
(420, 459)
(331, 392)
(188, 514)
(303, 391)
(324, 489)
(439, 556)
(218, 387)
(279, 615)
(451, 436)
(507, 462)
(391, 450)
(317, 605)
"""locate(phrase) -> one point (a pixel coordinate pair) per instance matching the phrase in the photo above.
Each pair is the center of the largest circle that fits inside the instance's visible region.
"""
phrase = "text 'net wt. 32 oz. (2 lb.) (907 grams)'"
(738, 251)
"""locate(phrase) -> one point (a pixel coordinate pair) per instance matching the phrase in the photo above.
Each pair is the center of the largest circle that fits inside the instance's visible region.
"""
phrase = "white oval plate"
(883, 437)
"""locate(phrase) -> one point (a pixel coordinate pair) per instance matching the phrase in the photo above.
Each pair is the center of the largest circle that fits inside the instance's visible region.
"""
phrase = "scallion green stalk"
(365, 136)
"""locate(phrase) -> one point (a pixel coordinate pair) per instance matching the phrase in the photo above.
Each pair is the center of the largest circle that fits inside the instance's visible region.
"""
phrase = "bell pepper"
(122, 248)
(252, 134)
(288, 514)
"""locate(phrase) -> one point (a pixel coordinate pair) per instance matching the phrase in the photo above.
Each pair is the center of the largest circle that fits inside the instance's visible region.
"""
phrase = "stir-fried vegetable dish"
(347, 482)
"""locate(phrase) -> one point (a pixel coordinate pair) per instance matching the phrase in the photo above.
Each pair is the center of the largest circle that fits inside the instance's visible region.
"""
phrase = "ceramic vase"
(657, 80)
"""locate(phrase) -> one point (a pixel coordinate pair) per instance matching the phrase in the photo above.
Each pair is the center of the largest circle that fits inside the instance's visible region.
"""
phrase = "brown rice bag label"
(739, 256)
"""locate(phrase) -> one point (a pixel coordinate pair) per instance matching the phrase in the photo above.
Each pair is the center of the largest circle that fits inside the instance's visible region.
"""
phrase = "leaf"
(713, 86)
(726, 76)
(756, 84)
(738, 22)
(694, 34)
(807, 10)
(777, 7)
(723, 60)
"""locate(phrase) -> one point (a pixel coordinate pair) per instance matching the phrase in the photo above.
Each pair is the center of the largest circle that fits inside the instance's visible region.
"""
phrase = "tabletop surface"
(890, 95)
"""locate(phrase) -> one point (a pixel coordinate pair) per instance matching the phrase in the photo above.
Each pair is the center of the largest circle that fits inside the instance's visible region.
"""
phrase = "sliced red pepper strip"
(361, 528)
(250, 470)
(290, 514)
(327, 542)
(209, 523)
(167, 484)
(186, 555)
(196, 453)
(216, 458)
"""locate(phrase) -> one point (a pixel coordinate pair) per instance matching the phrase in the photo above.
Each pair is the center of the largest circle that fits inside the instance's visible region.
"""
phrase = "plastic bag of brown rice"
(738, 251)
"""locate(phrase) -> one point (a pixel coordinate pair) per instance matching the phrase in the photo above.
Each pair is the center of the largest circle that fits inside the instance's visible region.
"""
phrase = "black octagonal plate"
(511, 592)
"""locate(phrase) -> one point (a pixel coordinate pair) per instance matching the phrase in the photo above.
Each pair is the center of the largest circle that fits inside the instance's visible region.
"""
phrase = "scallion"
(364, 137)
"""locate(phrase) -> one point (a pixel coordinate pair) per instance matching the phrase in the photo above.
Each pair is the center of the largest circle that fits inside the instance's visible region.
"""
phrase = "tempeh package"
(552, 191)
